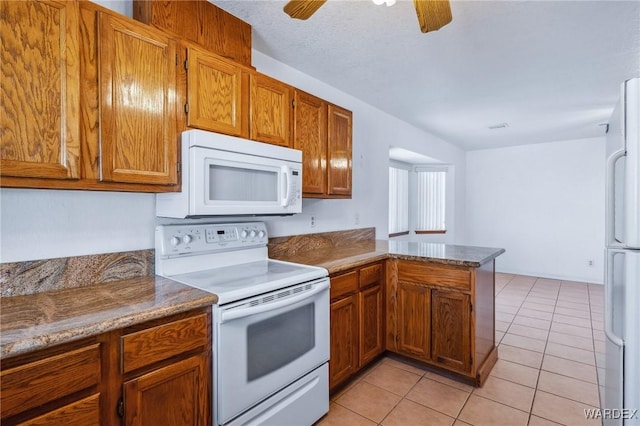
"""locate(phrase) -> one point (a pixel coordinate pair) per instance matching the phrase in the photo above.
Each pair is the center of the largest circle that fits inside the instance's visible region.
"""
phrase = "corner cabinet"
(323, 132)
(107, 120)
(154, 373)
(357, 321)
(443, 315)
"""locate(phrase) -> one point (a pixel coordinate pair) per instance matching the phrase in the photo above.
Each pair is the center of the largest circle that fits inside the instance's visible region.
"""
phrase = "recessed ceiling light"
(499, 126)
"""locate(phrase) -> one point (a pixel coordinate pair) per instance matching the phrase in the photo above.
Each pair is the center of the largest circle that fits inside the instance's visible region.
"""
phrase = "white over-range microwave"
(226, 175)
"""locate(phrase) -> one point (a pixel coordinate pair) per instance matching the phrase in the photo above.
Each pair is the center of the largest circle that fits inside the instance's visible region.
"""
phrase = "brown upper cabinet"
(271, 110)
(39, 98)
(200, 22)
(339, 151)
(137, 100)
(323, 132)
(217, 93)
(310, 136)
(87, 104)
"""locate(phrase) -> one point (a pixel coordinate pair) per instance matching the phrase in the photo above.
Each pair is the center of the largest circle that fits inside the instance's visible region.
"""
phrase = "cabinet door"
(138, 137)
(371, 320)
(339, 151)
(413, 320)
(451, 329)
(217, 94)
(177, 394)
(343, 340)
(39, 97)
(271, 110)
(310, 136)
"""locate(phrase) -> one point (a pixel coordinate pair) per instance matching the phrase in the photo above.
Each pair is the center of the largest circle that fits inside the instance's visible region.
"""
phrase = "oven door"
(265, 343)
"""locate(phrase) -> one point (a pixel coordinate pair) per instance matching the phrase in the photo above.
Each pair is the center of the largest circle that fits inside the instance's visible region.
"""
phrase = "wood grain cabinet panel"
(339, 151)
(322, 131)
(343, 360)
(42, 381)
(85, 412)
(161, 342)
(414, 334)
(40, 89)
(155, 373)
(271, 110)
(344, 284)
(173, 395)
(450, 322)
(137, 86)
(443, 315)
(357, 321)
(371, 323)
(310, 136)
(217, 94)
(201, 22)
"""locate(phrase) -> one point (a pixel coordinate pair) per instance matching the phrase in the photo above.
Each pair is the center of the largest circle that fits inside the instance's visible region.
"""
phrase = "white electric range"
(270, 325)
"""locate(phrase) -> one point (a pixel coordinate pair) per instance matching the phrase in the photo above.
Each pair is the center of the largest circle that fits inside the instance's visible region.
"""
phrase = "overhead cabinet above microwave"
(225, 175)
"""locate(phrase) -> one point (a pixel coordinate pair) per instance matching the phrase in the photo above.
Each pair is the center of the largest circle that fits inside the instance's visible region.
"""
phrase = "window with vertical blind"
(398, 201)
(431, 189)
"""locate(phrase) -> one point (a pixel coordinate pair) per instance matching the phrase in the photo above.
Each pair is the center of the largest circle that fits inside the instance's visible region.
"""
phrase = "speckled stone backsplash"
(280, 247)
(37, 276)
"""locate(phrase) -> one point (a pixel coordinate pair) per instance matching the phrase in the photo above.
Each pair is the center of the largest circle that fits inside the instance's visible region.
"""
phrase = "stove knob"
(243, 233)
(175, 241)
(187, 239)
(261, 234)
(252, 234)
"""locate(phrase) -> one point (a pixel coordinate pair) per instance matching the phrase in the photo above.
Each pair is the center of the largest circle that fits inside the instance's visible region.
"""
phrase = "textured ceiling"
(550, 69)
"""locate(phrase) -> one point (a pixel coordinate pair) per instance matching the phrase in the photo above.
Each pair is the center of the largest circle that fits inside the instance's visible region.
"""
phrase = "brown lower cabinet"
(357, 321)
(154, 373)
(442, 315)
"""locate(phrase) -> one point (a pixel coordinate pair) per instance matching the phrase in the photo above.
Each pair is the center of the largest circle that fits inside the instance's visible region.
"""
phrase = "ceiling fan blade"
(432, 14)
(302, 9)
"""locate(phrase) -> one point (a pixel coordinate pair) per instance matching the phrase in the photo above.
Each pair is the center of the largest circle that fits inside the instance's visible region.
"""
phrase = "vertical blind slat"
(431, 201)
(398, 200)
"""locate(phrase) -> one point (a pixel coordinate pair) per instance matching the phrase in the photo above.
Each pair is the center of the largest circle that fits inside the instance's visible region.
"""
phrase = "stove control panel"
(210, 237)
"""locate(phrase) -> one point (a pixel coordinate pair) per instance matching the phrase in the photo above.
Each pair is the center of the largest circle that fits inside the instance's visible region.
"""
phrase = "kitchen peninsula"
(430, 302)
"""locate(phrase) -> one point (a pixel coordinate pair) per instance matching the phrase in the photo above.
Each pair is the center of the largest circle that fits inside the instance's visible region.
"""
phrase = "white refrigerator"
(620, 392)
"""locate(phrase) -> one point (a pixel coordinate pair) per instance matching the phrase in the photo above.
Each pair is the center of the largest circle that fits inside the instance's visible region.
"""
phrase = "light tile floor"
(551, 338)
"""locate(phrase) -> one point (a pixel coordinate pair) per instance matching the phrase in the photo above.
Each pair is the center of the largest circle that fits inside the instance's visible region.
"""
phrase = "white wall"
(374, 132)
(38, 224)
(544, 204)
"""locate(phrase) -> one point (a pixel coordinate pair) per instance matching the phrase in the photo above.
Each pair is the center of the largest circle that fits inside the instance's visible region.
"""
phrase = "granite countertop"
(339, 259)
(40, 320)
(448, 254)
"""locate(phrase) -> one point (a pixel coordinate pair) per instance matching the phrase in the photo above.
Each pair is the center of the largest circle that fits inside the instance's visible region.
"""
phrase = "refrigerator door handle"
(608, 298)
(610, 219)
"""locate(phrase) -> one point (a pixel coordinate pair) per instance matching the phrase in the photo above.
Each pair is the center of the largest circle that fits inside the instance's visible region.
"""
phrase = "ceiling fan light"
(378, 2)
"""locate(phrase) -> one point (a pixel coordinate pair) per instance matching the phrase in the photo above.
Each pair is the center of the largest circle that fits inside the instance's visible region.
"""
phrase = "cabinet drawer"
(85, 412)
(370, 275)
(164, 341)
(435, 275)
(344, 284)
(48, 379)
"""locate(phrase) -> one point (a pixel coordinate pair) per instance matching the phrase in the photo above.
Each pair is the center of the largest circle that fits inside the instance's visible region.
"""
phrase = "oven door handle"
(239, 312)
